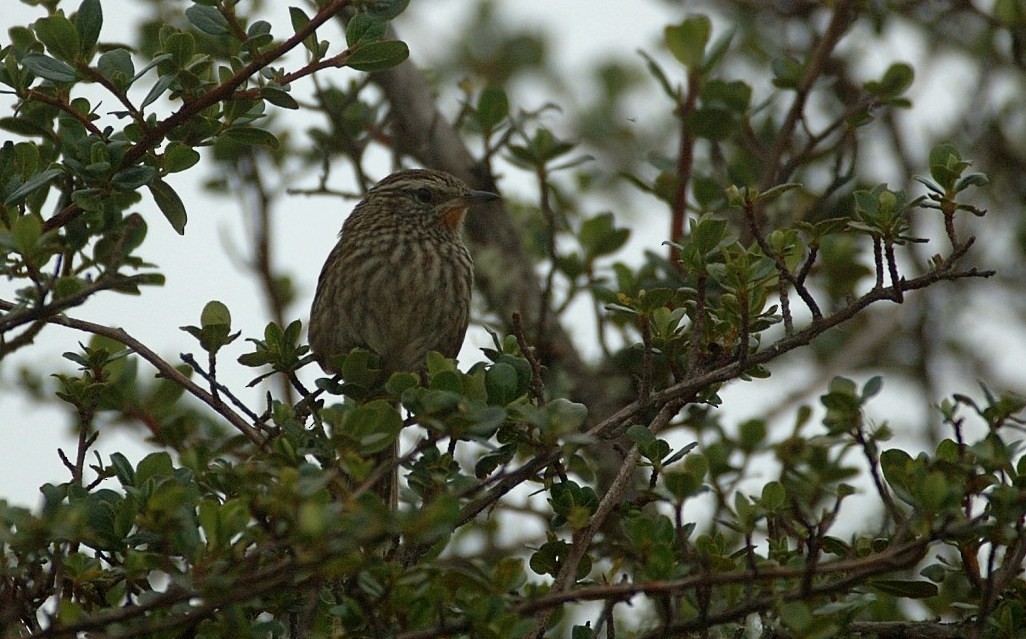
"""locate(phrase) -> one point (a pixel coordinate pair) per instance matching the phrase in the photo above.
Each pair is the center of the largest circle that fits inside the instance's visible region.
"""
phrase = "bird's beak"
(452, 217)
(478, 197)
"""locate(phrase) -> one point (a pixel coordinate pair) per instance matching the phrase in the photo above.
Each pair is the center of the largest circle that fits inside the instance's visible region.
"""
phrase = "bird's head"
(433, 197)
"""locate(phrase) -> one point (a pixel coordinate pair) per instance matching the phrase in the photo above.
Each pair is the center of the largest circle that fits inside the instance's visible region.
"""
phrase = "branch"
(152, 137)
(165, 369)
(688, 387)
(841, 19)
(850, 572)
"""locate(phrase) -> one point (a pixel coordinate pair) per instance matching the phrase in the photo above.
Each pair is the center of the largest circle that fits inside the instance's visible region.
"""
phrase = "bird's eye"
(423, 195)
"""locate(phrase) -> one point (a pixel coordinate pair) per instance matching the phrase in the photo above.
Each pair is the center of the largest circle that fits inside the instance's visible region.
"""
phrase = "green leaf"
(46, 67)
(59, 36)
(386, 9)
(904, 588)
(208, 20)
(35, 182)
(378, 56)
(25, 233)
(751, 433)
(251, 136)
(181, 46)
(971, 179)
(363, 28)
(299, 21)
(123, 469)
(946, 165)
(259, 35)
(179, 157)
(582, 632)
(162, 84)
(682, 484)
(895, 81)
(215, 313)
(133, 177)
(154, 465)
(279, 97)
(88, 21)
(492, 107)
(872, 387)
(502, 383)
(687, 40)
(787, 72)
(640, 435)
(117, 66)
(170, 204)
(773, 496)
(599, 236)
(375, 425)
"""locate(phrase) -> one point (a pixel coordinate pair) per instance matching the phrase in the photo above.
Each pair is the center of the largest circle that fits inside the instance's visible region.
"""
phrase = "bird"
(398, 281)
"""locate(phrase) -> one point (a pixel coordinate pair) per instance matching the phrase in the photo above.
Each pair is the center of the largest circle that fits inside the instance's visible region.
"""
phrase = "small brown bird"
(398, 282)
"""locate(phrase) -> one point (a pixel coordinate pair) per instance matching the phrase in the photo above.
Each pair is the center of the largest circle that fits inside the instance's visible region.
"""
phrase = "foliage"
(535, 481)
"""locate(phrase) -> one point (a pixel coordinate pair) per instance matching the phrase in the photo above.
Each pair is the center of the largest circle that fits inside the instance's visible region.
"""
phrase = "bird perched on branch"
(399, 280)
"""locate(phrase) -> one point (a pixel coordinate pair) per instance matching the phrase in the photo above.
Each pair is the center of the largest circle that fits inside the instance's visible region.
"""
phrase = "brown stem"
(685, 160)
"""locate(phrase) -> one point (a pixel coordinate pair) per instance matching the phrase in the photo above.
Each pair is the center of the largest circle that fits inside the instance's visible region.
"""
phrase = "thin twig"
(165, 369)
(537, 385)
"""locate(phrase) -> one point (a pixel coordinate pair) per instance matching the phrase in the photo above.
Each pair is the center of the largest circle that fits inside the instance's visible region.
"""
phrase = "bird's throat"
(452, 218)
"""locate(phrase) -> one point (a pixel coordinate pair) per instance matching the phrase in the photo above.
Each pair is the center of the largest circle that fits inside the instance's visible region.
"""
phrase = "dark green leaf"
(386, 9)
(299, 19)
(378, 56)
(158, 88)
(23, 126)
(971, 179)
(582, 632)
(896, 80)
(59, 36)
(133, 177)
(179, 157)
(279, 97)
(207, 19)
(123, 469)
(492, 107)
(364, 28)
(153, 466)
(170, 204)
(640, 435)
(35, 182)
(660, 75)
(375, 425)
(117, 66)
(88, 22)
(251, 136)
(903, 588)
(46, 67)
(501, 382)
(181, 46)
(599, 236)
